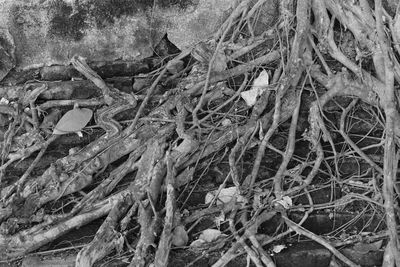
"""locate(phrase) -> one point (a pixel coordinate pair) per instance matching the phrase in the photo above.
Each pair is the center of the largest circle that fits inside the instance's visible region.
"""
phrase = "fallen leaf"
(225, 196)
(73, 121)
(179, 236)
(262, 81)
(210, 235)
(286, 202)
(278, 248)
(197, 243)
(226, 122)
(258, 87)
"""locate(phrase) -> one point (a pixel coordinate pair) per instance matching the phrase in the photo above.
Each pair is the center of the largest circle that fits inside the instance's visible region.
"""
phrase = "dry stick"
(239, 144)
(392, 254)
(289, 149)
(244, 50)
(264, 142)
(233, 161)
(314, 170)
(302, 231)
(23, 178)
(33, 238)
(35, 120)
(231, 253)
(240, 8)
(80, 64)
(164, 246)
(108, 184)
(236, 251)
(81, 102)
(350, 142)
(241, 88)
(291, 79)
(211, 64)
(241, 69)
(321, 58)
(21, 182)
(132, 126)
(8, 136)
(396, 41)
(250, 252)
(250, 234)
(222, 186)
(256, 7)
(325, 132)
(107, 237)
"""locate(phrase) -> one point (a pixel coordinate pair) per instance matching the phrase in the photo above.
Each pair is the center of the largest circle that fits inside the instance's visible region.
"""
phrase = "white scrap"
(225, 196)
(259, 86)
(278, 248)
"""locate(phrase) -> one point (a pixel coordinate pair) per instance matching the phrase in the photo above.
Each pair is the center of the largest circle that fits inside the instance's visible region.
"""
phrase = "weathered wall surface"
(48, 32)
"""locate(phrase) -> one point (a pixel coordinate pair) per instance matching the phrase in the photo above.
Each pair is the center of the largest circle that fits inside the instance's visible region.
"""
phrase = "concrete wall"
(48, 32)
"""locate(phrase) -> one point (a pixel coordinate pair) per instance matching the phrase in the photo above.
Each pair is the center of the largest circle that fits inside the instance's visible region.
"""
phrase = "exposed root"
(306, 125)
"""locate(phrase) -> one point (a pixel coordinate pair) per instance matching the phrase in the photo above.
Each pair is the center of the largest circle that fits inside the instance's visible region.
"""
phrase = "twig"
(150, 91)
(241, 88)
(250, 252)
(390, 161)
(81, 66)
(23, 178)
(289, 149)
(210, 68)
(164, 246)
(302, 231)
(350, 142)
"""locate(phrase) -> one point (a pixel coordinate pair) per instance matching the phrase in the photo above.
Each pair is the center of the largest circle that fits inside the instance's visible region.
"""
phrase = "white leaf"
(286, 202)
(210, 235)
(259, 85)
(179, 236)
(73, 121)
(197, 243)
(225, 196)
(278, 248)
(226, 122)
(250, 96)
(262, 81)
(4, 101)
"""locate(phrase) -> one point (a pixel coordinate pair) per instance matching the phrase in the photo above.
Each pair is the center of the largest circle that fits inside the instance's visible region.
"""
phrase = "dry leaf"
(210, 235)
(259, 85)
(278, 248)
(286, 202)
(73, 121)
(224, 196)
(179, 236)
